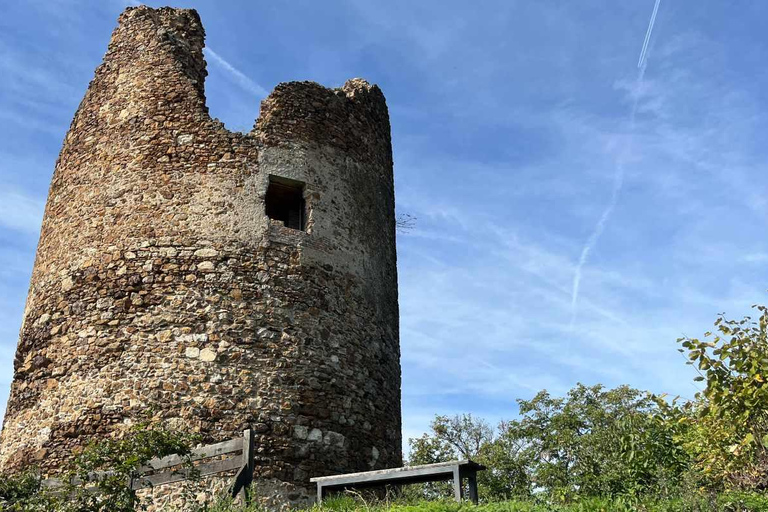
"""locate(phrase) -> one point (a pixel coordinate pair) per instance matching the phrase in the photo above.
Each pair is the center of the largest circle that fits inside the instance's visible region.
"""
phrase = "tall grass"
(731, 502)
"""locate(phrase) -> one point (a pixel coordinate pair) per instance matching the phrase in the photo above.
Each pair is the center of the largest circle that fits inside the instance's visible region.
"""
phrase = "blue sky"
(512, 128)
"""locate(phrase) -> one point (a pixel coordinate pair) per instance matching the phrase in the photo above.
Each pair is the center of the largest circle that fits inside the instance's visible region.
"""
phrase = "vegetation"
(726, 429)
(729, 502)
(99, 477)
(624, 444)
(595, 449)
(594, 442)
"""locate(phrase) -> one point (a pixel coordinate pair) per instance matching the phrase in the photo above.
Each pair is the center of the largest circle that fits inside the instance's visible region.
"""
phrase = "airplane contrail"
(618, 183)
(240, 78)
(618, 176)
(648, 33)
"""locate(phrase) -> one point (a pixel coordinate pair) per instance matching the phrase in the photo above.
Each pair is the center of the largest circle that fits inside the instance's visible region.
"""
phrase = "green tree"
(506, 475)
(466, 437)
(726, 426)
(592, 442)
(577, 445)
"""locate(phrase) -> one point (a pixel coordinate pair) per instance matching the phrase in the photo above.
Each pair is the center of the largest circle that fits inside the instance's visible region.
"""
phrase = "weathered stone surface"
(160, 283)
(207, 355)
(334, 439)
(300, 431)
(315, 435)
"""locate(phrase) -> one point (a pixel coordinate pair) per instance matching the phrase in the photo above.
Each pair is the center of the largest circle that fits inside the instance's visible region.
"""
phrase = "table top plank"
(424, 472)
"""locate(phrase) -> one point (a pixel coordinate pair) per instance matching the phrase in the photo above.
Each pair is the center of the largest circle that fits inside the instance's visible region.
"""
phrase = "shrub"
(726, 427)
(99, 477)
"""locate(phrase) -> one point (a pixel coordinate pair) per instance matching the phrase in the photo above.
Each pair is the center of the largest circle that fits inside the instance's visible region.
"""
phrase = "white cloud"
(21, 212)
(496, 292)
(759, 257)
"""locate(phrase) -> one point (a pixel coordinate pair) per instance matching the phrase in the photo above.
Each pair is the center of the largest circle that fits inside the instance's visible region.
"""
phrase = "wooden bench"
(171, 469)
(455, 470)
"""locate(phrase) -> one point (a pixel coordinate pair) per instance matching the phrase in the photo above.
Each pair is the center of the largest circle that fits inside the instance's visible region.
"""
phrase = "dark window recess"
(285, 202)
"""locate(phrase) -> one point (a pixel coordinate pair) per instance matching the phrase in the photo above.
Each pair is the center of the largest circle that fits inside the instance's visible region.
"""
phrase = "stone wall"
(160, 284)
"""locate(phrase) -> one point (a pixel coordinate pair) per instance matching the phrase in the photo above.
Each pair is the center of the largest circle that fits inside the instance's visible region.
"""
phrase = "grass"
(733, 502)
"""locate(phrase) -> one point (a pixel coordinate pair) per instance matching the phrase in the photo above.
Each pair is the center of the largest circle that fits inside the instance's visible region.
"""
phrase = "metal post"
(248, 458)
(244, 477)
(456, 484)
(472, 479)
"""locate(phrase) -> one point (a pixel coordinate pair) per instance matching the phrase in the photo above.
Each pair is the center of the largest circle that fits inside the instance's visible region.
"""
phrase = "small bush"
(98, 479)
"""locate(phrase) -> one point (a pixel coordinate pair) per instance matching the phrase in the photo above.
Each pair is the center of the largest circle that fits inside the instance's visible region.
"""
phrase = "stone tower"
(218, 279)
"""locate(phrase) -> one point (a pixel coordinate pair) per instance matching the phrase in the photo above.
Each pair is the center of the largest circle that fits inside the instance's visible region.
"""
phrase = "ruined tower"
(217, 279)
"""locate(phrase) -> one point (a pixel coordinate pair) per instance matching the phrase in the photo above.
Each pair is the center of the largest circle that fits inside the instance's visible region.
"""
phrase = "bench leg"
(456, 484)
(243, 494)
(472, 480)
(319, 493)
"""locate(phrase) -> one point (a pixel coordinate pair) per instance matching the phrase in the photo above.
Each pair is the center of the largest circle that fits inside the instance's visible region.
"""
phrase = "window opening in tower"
(285, 202)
